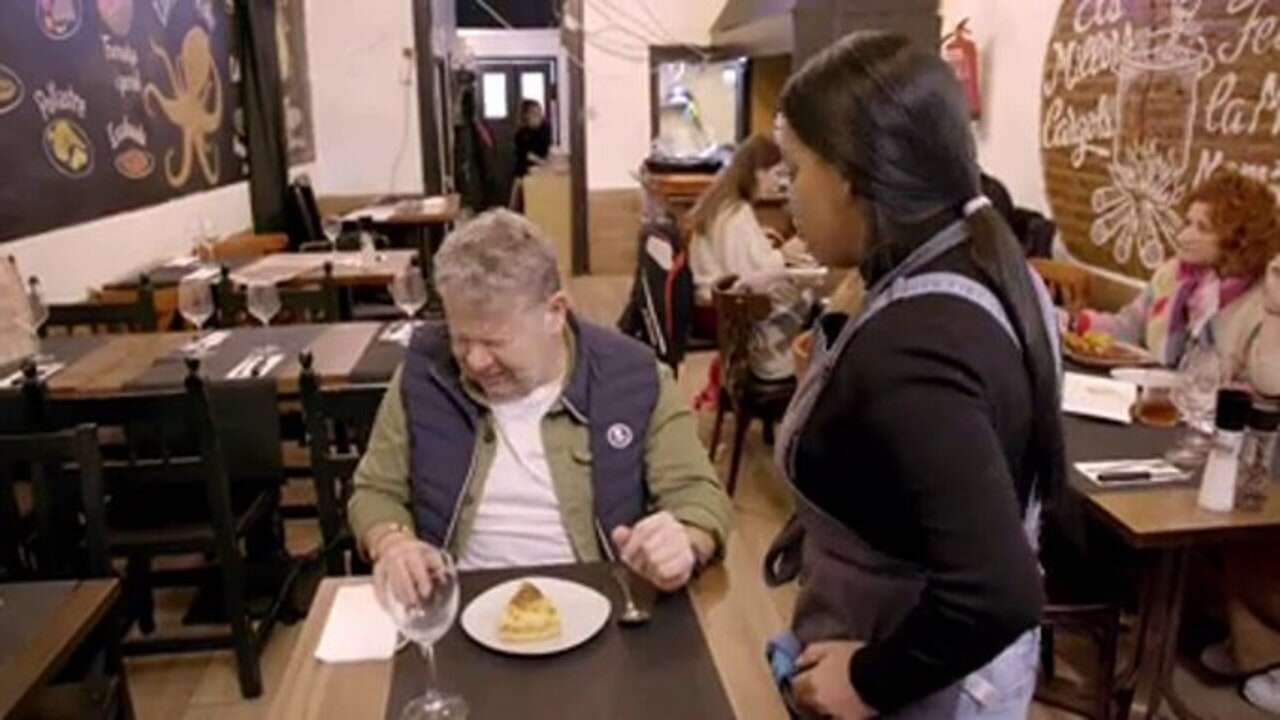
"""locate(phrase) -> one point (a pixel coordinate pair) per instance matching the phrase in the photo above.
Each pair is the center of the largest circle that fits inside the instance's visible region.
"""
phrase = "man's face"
(533, 116)
(509, 346)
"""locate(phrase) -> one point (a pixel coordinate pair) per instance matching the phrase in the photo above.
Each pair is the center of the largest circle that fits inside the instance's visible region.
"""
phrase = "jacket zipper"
(462, 496)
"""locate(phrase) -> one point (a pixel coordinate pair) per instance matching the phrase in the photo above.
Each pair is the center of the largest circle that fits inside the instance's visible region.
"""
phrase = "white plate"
(583, 612)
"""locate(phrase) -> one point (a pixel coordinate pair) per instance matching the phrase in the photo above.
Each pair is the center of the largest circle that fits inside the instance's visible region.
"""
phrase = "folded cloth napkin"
(782, 654)
(357, 628)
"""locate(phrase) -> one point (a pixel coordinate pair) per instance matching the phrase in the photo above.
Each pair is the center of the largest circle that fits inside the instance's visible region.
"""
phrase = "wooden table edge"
(96, 598)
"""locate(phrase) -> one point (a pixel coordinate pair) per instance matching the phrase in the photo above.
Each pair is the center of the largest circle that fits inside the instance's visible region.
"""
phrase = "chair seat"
(768, 393)
(181, 534)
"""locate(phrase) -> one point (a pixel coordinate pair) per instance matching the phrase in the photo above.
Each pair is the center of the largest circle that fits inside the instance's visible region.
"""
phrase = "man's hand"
(404, 568)
(659, 549)
(824, 686)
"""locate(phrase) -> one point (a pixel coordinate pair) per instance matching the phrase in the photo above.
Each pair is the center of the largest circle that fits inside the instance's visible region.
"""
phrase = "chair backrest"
(314, 303)
(737, 312)
(39, 537)
(303, 213)
(105, 317)
(339, 422)
(1068, 284)
(247, 245)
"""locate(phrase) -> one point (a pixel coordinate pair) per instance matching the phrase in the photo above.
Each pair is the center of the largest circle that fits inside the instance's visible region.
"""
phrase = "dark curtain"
(263, 113)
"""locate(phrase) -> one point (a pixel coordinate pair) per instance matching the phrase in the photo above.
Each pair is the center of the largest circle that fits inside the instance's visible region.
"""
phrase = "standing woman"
(927, 429)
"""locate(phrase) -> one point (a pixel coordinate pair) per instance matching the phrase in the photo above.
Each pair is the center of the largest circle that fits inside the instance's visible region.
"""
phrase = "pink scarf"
(1203, 293)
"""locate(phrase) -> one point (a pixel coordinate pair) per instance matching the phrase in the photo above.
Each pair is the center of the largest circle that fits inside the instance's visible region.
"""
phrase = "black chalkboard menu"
(111, 105)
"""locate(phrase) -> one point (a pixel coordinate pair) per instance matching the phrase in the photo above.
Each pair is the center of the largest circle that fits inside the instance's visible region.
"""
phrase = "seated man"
(515, 434)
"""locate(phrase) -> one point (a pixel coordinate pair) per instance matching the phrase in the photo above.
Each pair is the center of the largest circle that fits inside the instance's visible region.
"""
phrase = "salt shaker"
(1257, 456)
(1218, 488)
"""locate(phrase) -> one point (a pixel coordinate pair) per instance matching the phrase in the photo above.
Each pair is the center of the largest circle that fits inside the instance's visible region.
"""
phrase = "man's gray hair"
(497, 254)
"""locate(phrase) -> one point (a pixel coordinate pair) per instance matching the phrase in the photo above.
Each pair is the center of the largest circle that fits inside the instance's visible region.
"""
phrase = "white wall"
(72, 259)
(366, 117)
(526, 44)
(1012, 37)
(617, 82)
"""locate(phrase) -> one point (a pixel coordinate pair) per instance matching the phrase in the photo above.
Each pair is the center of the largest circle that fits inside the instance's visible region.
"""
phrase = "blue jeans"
(1001, 690)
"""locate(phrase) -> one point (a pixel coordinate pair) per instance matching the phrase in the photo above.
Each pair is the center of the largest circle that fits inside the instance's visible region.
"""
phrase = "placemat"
(659, 670)
(64, 349)
(171, 370)
(379, 361)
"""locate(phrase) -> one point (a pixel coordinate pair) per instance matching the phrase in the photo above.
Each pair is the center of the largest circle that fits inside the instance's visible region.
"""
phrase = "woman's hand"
(824, 686)
(796, 253)
(775, 238)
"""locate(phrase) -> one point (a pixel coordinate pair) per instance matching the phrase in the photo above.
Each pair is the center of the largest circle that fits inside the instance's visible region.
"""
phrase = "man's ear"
(558, 308)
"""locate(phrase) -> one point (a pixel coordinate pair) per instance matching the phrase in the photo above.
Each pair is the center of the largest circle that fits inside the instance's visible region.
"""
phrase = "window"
(533, 86)
(494, 86)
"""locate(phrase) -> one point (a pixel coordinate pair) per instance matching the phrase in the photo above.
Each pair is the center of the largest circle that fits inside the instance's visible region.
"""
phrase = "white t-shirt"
(518, 520)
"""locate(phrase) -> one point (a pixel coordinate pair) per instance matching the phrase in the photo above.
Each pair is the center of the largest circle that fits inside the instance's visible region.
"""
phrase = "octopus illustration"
(195, 107)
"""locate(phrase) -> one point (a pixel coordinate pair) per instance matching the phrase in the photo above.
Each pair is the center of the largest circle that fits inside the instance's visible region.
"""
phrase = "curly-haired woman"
(1216, 290)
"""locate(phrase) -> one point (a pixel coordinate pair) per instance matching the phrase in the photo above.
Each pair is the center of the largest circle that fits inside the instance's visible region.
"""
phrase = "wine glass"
(409, 291)
(1195, 395)
(195, 303)
(263, 300)
(39, 316)
(424, 624)
(331, 226)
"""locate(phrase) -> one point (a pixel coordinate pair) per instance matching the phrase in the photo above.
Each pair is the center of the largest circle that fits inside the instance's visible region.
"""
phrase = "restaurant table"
(108, 364)
(348, 268)
(663, 669)
(417, 223)
(1166, 523)
(41, 625)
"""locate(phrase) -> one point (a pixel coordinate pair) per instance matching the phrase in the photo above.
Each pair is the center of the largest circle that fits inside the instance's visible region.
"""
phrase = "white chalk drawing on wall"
(1141, 102)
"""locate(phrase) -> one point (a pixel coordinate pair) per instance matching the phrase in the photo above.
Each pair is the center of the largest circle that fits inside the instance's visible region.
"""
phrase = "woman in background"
(1214, 290)
(533, 139)
(729, 240)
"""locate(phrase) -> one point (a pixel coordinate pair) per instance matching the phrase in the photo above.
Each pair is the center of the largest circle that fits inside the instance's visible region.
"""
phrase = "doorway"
(504, 84)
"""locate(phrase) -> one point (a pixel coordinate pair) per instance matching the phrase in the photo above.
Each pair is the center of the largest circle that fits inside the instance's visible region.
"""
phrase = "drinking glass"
(331, 226)
(39, 316)
(1195, 395)
(195, 303)
(263, 299)
(424, 624)
(409, 291)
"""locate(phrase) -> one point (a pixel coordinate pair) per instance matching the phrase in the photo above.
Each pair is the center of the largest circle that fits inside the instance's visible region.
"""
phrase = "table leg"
(1159, 643)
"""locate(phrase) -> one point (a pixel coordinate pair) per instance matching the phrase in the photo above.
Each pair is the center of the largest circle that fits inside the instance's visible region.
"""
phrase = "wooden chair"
(318, 303)
(98, 687)
(247, 245)
(171, 493)
(106, 317)
(339, 421)
(1067, 283)
(748, 397)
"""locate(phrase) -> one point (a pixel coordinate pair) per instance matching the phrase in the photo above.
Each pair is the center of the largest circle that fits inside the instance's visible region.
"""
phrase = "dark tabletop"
(659, 670)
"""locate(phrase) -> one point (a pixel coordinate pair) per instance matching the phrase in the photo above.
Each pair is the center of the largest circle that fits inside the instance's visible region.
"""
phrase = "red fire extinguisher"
(959, 50)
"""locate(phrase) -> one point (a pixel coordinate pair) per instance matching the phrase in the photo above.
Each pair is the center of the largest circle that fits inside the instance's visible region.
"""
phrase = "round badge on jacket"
(619, 436)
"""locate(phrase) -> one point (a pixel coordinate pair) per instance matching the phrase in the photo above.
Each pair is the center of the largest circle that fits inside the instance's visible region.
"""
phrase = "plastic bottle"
(1218, 488)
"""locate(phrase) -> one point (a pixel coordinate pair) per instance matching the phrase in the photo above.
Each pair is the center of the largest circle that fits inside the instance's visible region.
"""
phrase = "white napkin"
(207, 343)
(1098, 397)
(399, 332)
(377, 213)
(208, 272)
(243, 369)
(1161, 471)
(43, 372)
(183, 261)
(357, 628)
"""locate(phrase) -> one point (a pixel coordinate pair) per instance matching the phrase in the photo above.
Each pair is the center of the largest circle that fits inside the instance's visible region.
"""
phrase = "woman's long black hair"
(894, 122)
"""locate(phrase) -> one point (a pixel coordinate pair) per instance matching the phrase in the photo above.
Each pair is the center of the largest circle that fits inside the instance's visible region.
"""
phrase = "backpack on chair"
(660, 309)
